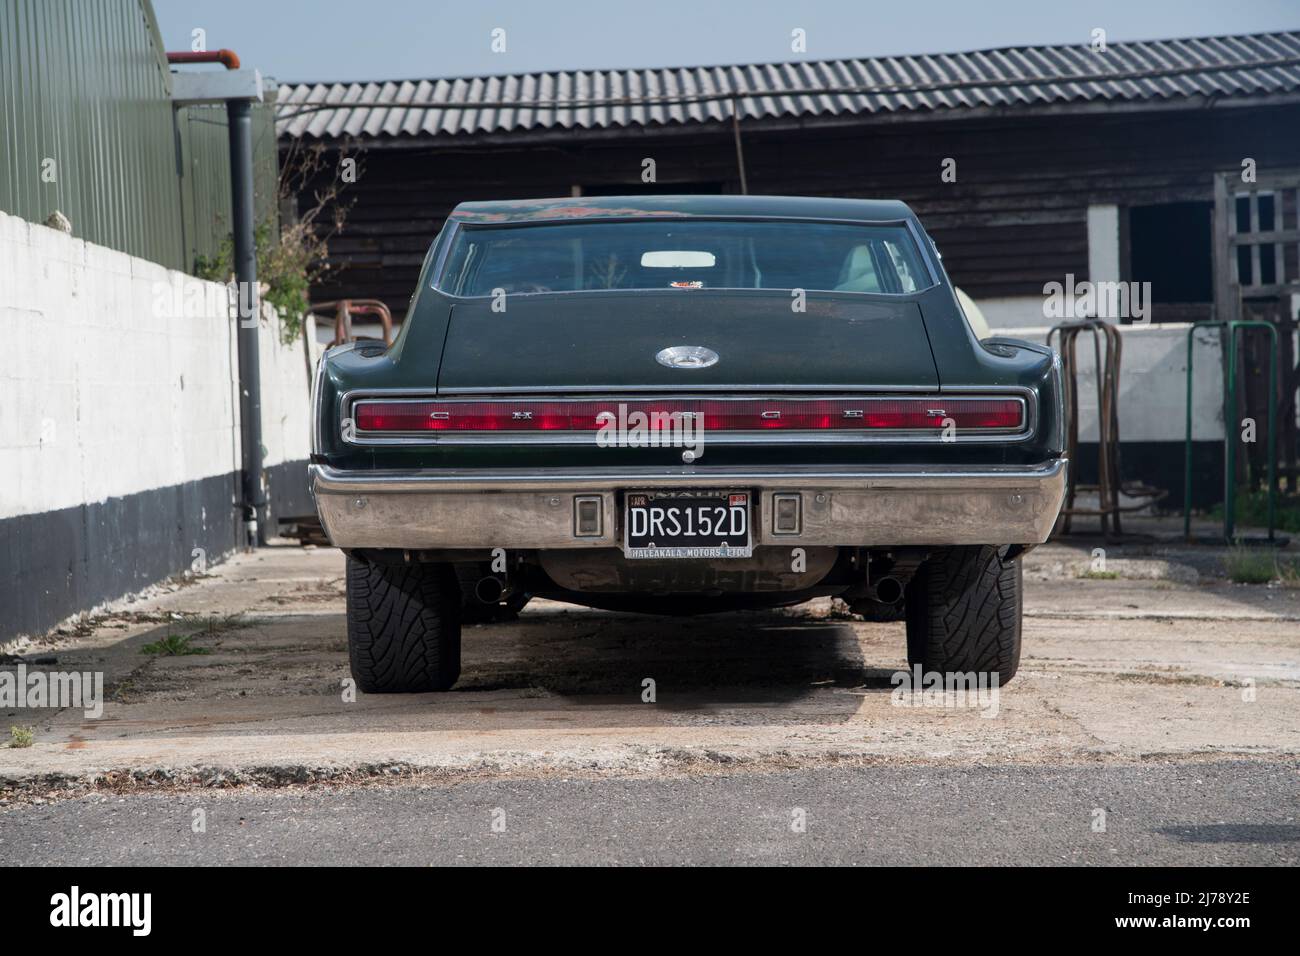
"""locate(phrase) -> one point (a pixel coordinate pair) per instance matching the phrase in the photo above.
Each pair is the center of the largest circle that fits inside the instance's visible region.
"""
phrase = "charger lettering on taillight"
(718, 415)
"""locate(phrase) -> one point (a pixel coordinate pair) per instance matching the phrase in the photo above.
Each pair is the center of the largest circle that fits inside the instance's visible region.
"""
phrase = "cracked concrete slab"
(1113, 670)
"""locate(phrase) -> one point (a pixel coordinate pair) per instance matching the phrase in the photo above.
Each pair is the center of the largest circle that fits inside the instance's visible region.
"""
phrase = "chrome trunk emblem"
(687, 356)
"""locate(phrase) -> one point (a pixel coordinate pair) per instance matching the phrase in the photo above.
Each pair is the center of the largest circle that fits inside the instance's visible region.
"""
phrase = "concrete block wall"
(1152, 408)
(1153, 383)
(119, 432)
(286, 415)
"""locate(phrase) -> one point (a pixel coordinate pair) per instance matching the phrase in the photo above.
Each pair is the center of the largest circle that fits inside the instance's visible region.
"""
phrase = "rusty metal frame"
(344, 309)
(1109, 486)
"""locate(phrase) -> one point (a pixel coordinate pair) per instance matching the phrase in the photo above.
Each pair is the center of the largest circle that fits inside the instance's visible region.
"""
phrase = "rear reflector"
(747, 415)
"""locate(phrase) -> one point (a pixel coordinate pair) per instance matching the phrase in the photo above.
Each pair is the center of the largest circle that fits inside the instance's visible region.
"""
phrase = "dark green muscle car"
(683, 405)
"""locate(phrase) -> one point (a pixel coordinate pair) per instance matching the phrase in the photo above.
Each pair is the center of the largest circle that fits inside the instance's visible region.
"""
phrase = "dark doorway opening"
(1171, 246)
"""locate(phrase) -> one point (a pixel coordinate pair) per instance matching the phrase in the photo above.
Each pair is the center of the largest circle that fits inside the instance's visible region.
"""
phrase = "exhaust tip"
(889, 590)
(489, 590)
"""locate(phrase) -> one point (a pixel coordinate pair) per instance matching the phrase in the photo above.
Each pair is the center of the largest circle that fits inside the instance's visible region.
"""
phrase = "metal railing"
(1230, 427)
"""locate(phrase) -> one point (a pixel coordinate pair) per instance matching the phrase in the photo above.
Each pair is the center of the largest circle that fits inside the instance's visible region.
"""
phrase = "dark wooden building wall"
(1015, 218)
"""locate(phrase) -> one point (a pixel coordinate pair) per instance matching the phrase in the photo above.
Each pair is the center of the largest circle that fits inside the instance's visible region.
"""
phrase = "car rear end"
(677, 414)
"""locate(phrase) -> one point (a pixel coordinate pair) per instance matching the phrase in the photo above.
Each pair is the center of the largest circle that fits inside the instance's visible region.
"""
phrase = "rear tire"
(963, 612)
(403, 627)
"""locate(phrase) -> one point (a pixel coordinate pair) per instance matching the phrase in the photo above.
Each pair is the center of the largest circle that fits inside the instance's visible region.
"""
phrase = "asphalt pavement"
(1211, 813)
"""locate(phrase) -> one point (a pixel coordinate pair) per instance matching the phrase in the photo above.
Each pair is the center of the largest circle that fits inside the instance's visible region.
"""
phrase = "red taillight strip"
(741, 415)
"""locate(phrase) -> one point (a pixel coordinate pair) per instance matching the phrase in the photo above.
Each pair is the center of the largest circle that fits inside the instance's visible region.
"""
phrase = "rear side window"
(683, 254)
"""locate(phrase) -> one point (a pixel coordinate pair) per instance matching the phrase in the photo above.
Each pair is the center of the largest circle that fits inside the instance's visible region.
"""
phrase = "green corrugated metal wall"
(85, 84)
(204, 149)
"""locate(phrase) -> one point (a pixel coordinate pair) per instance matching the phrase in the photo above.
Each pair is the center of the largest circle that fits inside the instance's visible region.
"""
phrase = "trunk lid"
(609, 341)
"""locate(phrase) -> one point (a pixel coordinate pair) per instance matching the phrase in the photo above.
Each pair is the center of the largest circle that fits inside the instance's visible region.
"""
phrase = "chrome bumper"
(878, 506)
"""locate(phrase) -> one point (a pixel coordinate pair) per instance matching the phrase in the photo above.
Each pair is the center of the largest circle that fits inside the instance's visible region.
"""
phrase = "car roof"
(632, 207)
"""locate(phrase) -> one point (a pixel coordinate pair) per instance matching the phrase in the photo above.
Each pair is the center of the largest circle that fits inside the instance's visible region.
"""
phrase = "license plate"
(687, 524)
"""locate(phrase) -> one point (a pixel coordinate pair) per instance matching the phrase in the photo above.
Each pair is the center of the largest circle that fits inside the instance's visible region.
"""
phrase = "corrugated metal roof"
(1126, 73)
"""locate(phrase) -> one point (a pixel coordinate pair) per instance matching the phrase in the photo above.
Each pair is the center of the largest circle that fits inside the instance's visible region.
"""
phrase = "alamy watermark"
(652, 429)
(75, 908)
(951, 690)
(183, 297)
(1097, 300)
(82, 690)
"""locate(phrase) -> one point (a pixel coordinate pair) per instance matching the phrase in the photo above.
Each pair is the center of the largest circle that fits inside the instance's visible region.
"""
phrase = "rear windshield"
(682, 254)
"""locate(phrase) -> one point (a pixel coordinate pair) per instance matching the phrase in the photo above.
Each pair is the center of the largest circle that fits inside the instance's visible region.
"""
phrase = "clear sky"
(296, 40)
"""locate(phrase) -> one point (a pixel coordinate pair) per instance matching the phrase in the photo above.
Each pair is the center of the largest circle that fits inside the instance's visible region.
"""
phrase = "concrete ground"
(1167, 693)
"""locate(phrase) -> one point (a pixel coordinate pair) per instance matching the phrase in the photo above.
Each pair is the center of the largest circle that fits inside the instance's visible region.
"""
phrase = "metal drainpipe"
(227, 58)
(253, 498)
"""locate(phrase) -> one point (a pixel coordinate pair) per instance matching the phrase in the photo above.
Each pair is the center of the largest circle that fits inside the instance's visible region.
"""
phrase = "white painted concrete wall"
(286, 382)
(121, 376)
(1152, 382)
